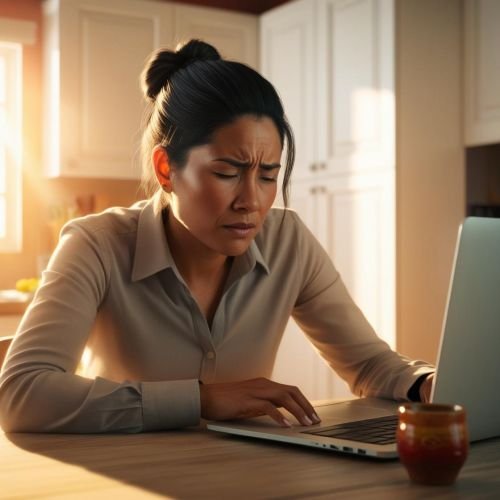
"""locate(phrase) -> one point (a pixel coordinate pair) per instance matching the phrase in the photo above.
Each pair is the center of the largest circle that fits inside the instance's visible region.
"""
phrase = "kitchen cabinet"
(288, 55)
(482, 72)
(232, 33)
(332, 62)
(94, 53)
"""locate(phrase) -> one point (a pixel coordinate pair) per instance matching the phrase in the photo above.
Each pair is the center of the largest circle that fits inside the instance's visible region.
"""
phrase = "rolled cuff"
(405, 382)
(170, 405)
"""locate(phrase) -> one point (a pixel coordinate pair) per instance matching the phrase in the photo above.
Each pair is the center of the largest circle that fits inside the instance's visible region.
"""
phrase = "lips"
(240, 229)
(240, 225)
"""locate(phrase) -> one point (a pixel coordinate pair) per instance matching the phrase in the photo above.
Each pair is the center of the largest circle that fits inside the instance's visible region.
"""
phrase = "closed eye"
(225, 176)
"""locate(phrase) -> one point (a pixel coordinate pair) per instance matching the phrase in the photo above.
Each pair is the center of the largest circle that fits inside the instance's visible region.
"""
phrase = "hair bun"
(163, 63)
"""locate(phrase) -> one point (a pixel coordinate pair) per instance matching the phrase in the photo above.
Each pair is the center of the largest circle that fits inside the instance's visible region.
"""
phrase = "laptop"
(467, 369)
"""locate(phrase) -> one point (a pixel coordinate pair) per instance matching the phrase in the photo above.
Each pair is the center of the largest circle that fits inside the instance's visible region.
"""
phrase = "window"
(10, 146)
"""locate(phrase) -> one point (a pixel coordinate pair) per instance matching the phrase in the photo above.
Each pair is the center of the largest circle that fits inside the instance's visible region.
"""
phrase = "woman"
(182, 300)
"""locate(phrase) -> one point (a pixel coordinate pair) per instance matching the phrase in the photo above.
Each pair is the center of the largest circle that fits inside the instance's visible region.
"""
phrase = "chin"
(234, 250)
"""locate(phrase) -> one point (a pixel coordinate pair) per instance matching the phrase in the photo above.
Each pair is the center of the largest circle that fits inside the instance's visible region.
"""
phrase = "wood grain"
(200, 464)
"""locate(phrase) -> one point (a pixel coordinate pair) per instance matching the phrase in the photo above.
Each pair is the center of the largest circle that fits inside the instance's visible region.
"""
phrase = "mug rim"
(430, 408)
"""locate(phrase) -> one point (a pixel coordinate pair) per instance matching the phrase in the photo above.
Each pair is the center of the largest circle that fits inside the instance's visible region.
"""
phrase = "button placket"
(207, 369)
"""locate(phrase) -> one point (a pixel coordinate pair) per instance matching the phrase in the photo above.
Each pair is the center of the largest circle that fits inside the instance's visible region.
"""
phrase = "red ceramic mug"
(433, 441)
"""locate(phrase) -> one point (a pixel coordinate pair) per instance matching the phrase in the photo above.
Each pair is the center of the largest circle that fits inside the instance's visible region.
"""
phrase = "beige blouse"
(113, 293)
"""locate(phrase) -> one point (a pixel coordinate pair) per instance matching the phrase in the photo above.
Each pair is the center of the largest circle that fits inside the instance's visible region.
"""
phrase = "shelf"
(13, 302)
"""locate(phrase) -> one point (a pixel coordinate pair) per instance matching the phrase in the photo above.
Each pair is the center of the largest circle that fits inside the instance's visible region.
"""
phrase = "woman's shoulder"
(282, 221)
(284, 231)
(281, 231)
(112, 221)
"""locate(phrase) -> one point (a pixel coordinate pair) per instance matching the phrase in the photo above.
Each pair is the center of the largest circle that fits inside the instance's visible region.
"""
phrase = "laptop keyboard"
(380, 430)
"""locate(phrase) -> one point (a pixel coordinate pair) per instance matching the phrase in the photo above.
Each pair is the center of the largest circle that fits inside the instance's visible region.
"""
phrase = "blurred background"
(394, 104)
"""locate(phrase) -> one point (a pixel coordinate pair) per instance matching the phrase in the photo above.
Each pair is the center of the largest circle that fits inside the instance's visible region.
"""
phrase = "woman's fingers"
(250, 398)
(295, 402)
(304, 403)
(262, 407)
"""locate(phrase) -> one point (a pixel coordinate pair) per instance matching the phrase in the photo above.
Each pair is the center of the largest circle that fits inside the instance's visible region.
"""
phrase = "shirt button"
(210, 355)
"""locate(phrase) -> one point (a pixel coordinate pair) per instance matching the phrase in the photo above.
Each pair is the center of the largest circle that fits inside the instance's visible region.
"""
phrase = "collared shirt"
(112, 291)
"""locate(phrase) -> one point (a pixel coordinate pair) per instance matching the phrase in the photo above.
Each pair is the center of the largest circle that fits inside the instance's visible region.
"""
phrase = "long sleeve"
(39, 388)
(338, 329)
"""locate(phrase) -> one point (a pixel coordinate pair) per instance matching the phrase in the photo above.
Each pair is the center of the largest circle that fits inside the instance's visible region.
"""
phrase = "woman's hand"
(252, 398)
(426, 388)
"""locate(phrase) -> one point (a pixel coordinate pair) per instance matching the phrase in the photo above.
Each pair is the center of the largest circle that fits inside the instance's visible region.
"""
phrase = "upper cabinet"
(94, 52)
(233, 34)
(288, 55)
(482, 72)
(333, 64)
(355, 85)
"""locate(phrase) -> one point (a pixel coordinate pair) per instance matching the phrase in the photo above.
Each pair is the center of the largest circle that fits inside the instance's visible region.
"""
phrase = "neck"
(195, 261)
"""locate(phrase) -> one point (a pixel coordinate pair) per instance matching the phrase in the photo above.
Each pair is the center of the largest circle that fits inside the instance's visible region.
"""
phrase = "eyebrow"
(243, 164)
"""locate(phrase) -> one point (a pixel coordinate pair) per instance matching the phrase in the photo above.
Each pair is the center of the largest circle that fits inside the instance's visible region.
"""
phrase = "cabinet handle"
(313, 167)
(313, 190)
(323, 165)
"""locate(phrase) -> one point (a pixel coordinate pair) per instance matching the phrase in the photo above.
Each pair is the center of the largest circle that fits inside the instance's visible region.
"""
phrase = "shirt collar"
(152, 253)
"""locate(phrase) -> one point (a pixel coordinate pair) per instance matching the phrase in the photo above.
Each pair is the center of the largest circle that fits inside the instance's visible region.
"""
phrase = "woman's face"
(224, 191)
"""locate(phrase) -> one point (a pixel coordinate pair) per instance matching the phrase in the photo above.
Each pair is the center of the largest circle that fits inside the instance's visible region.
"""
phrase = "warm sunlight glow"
(52, 132)
(85, 360)
(2, 216)
(10, 146)
(2, 80)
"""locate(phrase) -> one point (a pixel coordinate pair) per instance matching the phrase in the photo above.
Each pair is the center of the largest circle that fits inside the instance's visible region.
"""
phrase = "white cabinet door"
(482, 72)
(355, 84)
(94, 54)
(233, 34)
(288, 61)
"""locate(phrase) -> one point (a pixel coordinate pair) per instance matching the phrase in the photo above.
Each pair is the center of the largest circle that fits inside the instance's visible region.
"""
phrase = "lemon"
(32, 284)
(27, 285)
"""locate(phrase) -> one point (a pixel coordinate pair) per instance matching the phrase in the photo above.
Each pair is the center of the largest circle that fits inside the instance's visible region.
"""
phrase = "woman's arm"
(338, 329)
(39, 390)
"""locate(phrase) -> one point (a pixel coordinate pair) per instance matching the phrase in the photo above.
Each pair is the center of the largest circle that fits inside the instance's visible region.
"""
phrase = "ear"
(162, 168)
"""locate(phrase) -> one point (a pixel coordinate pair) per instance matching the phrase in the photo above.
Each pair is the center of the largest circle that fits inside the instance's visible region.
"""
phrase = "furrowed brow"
(242, 164)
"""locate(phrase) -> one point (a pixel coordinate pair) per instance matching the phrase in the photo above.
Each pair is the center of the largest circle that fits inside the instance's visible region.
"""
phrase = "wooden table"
(197, 463)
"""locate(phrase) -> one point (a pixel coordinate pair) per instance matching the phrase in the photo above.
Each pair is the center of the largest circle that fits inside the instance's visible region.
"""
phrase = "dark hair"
(193, 92)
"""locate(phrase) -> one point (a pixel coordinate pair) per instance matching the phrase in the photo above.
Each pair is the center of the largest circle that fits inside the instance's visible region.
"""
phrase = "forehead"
(248, 134)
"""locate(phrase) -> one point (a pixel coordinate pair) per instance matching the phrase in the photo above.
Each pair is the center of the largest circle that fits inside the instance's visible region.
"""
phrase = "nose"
(247, 199)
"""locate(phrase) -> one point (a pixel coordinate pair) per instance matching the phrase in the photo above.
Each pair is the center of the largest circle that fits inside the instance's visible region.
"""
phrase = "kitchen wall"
(39, 194)
(430, 166)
